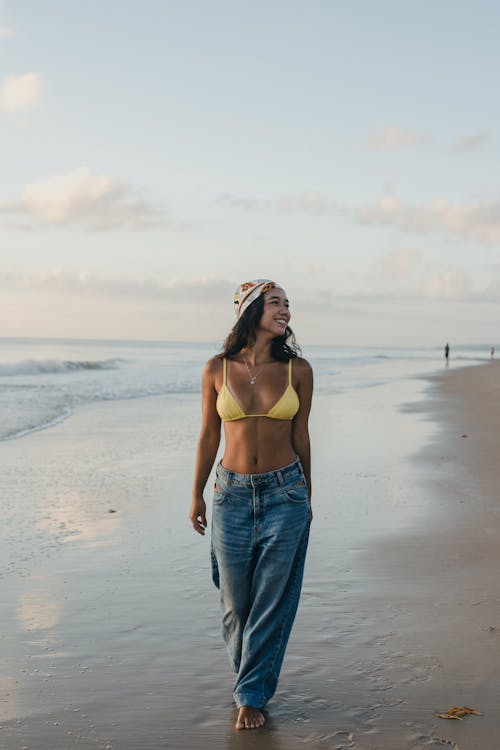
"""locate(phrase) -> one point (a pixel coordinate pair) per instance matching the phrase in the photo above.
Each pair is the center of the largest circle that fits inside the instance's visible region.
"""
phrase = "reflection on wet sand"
(266, 738)
(38, 609)
(70, 519)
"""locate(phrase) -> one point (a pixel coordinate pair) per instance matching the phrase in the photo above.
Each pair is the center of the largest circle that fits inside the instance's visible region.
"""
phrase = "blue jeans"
(260, 529)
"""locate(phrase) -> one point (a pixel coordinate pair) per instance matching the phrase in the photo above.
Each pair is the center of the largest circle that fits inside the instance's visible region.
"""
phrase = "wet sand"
(110, 624)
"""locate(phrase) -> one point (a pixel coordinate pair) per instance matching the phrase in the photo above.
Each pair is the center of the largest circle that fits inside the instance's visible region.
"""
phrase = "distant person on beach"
(492, 352)
(447, 353)
(261, 390)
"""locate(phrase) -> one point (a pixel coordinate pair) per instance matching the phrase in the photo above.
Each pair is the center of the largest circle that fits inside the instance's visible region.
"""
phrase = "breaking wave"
(49, 366)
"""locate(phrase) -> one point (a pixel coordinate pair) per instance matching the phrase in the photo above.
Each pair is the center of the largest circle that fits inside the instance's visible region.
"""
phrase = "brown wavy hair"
(244, 333)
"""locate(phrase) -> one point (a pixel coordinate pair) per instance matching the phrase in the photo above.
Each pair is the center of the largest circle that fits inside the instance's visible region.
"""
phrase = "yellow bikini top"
(229, 409)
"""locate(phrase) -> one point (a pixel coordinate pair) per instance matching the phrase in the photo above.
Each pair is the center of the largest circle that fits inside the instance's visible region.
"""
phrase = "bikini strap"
(290, 371)
(223, 371)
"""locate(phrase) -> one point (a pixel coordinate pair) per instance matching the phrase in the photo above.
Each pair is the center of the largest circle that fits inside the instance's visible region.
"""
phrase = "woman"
(262, 392)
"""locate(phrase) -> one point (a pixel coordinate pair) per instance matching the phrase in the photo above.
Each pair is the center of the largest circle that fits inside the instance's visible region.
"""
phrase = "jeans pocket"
(220, 495)
(298, 493)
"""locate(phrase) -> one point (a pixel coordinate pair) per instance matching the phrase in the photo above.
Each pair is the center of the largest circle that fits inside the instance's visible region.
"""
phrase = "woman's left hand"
(198, 515)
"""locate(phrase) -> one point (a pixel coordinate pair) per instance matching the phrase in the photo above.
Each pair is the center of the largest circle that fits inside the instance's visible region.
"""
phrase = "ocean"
(44, 381)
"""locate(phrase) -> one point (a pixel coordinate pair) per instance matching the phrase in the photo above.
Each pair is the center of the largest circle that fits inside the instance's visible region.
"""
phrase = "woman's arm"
(208, 444)
(300, 428)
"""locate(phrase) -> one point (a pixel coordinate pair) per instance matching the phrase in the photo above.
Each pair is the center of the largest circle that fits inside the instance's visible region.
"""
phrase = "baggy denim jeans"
(260, 530)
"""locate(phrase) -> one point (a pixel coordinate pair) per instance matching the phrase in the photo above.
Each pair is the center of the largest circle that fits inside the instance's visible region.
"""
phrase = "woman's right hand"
(198, 515)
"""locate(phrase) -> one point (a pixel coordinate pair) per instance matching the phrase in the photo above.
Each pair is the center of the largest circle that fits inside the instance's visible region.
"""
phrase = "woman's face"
(276, 313)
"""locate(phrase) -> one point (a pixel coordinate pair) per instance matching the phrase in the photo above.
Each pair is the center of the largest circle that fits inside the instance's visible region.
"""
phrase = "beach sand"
(110, 624)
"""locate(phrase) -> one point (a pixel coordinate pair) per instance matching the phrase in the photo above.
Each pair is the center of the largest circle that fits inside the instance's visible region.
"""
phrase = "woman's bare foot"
(249, 718)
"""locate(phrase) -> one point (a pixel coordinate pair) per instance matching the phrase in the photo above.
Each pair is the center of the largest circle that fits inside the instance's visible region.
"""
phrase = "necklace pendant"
(252, 378)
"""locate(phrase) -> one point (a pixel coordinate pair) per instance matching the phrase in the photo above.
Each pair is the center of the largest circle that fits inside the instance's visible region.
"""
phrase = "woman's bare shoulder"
(301, 364)
(303, 373)
(213, 365)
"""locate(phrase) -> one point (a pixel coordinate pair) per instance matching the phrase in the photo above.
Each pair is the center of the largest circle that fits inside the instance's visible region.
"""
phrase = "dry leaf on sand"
(458, 712)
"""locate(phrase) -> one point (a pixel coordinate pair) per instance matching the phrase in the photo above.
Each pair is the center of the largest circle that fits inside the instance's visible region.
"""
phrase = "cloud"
(476, 221)
(470, 143)
(316, 267)
(401, 264)
(99, 202)
(405, 276)
(396, 138)
(21, 94)
(452, 284)
(62, 303)
(308, 202)
(439, 285)
(202, 289)
(6, 31)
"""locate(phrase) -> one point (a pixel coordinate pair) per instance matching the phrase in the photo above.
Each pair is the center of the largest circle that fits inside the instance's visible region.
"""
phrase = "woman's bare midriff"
(258, 444)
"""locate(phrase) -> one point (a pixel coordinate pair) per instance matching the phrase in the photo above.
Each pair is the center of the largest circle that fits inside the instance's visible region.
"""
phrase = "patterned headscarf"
(248, 292)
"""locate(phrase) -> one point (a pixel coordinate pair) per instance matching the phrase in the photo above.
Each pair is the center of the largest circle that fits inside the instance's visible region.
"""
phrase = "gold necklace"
(251, 377)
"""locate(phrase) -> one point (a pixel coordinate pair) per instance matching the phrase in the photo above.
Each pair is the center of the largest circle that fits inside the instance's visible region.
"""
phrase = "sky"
(155, 154)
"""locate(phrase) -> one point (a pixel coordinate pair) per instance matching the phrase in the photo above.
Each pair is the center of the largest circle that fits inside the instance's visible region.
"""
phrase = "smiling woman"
(261, 390)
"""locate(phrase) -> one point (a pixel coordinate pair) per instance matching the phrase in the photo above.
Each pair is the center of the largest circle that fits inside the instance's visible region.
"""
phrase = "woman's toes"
(249, 718)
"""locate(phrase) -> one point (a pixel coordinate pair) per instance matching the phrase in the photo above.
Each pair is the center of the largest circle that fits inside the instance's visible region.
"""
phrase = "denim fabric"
(260, 529)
